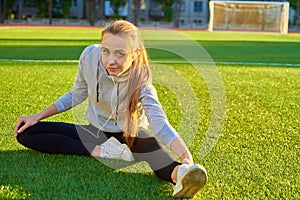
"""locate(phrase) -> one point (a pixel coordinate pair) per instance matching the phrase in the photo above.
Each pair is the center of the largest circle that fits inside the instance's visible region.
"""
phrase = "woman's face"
(116, 54)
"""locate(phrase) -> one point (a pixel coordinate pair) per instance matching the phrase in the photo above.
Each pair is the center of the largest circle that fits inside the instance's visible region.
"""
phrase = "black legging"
(64, 138)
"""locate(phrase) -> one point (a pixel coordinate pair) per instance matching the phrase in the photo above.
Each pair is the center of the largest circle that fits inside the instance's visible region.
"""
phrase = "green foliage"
(294, 3)
(116, 5)
(167, 8)
(66, 7)
(8, 9)
(42, 7)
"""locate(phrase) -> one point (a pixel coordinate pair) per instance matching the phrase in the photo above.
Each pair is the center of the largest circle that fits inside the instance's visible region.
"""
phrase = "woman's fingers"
(19, 124)
(23, 123)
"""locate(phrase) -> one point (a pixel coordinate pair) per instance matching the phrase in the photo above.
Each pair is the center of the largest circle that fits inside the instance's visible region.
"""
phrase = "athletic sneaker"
(113, 149)
(190, 179)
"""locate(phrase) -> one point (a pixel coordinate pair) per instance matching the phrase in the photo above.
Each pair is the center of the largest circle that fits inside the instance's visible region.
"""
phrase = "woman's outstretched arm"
(26, 121)
(179, 147)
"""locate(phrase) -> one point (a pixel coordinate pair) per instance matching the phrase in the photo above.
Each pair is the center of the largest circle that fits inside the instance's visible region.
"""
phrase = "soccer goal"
(249, 16)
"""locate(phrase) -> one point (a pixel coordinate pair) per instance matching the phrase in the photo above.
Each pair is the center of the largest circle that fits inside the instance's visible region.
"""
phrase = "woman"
(122, 102)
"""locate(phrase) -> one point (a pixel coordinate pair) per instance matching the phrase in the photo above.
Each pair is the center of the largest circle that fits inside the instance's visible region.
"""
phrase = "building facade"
(186, 13)
(191, 13)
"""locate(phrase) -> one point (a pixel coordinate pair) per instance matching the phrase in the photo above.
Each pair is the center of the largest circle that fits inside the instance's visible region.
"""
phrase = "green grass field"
(257, 155)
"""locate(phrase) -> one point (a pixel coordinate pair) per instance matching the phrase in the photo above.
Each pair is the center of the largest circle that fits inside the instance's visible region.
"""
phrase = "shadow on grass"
(236, 51)
(33, 175)
(41, 52)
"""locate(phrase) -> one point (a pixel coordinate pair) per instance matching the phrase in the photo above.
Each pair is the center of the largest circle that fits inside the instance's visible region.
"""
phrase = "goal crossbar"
(253, 2)
(249, 16)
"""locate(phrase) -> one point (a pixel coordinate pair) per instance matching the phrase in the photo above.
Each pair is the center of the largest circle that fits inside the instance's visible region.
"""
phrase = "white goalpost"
(249, 16)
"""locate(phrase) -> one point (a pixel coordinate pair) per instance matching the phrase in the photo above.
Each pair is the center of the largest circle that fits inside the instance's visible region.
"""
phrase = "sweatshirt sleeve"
(79, 92)
(157, 118)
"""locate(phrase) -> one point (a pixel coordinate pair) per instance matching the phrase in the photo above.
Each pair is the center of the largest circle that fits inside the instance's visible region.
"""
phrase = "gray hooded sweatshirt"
(107, 99)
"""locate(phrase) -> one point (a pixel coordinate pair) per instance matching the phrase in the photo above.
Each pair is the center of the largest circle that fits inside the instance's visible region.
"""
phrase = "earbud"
(137, 52)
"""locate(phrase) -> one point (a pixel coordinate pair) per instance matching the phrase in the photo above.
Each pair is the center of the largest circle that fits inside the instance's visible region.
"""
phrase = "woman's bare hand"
(178, 146)
(24, 122)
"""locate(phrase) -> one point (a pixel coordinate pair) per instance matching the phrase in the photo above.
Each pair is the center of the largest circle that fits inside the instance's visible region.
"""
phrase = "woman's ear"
(137, 52)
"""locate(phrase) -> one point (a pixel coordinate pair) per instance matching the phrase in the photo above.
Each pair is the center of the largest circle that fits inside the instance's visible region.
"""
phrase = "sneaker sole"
(193, 181)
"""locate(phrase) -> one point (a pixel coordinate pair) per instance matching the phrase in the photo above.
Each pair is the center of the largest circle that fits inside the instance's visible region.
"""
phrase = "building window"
(182, 6)
(197, 21)
(198, 6)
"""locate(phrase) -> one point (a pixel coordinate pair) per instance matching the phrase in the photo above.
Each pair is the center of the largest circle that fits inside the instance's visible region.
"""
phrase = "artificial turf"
(256, 155)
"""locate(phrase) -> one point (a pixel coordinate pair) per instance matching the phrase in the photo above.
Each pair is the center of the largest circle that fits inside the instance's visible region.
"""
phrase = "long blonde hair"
(139, 75)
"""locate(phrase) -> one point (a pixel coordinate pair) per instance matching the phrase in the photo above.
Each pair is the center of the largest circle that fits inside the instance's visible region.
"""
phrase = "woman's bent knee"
(23, 139)
(26, 137)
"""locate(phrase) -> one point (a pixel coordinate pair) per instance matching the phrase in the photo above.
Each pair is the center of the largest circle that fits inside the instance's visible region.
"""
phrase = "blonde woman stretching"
(122, 102)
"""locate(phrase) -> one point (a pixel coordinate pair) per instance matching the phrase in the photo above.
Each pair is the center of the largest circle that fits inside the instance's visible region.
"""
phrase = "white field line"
(166, 62)
(37, 61)
(232, 63)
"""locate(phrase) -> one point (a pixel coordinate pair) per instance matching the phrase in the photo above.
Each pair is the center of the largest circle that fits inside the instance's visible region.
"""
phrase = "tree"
(295, 4)
(2, 11)
(42, 8)
(178, 7)
(136, 4)
(91, 10)
(50, 6)
(167, 8)
(66, 5)
(117, 4)
(8, 8)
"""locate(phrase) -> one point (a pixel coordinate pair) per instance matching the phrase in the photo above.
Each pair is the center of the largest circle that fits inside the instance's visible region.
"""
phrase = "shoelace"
(118, 150)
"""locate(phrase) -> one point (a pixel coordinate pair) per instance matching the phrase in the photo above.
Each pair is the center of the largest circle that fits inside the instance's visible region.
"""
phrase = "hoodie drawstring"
(97, 87)
(98, 93)
(117, 107)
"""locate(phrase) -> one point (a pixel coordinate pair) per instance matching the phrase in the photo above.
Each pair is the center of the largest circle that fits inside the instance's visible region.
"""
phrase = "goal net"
(249, 16)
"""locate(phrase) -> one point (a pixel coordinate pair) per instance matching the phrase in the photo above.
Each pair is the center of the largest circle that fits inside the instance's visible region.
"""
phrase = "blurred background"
(146, 13)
